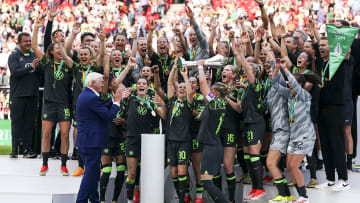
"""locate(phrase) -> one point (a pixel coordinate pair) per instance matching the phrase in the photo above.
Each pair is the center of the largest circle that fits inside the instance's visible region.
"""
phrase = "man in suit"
(93, 116)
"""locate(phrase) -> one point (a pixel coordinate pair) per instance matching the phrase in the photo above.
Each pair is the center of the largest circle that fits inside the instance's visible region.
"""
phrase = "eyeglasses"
(89, 40)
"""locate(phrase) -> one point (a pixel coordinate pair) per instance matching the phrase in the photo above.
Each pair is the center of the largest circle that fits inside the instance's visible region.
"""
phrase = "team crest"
(142, 110)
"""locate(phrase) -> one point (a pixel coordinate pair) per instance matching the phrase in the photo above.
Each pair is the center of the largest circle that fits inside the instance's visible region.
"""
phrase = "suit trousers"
(89, 184)
(331, 130)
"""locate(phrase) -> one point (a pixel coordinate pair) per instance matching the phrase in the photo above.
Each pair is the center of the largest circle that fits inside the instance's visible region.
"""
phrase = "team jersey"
(251, 103)
(115, 73)
(212, 120)
(232, 118)
(80, 73)
(58, 78)
(179, 120)
(141, 117)
(120, 114)
(199, 106)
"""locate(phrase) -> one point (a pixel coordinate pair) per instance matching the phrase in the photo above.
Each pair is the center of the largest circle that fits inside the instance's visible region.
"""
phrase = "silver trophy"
(215, 61)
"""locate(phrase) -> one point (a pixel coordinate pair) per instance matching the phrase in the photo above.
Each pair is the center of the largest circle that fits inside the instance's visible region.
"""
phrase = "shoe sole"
(258, 197)
(338, 190)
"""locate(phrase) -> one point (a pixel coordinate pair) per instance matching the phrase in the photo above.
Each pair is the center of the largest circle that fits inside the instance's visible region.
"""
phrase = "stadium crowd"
(270, 105)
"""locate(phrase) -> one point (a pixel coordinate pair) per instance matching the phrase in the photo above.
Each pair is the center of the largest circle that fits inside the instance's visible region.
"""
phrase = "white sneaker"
(130, 201)
(325, 185)
(302, 200)
(341, 186)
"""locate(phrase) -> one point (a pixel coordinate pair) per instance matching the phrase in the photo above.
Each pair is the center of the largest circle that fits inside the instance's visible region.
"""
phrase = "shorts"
(268, 122)
(253, 133)
(228, 137)
(211, 160)
(55, 112)
(178, 153)
(115, 147)
(133, 147)
(348, 110)
(280, 141)
(196, 146)
(304, 146)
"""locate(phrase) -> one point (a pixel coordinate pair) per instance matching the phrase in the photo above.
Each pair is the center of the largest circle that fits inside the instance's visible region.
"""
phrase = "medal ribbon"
(85, 75)
(174, 110)
(192, 50)
(147, 102)
(58, 70)
(323, 73)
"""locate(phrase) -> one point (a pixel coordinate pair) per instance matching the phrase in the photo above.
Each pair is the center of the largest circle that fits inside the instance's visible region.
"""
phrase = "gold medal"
(153, 113)
(291, 120)
(321, 85)
(54, 84)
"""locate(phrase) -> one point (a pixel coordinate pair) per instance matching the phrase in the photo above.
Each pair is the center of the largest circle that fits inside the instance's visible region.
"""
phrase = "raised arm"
(69, 62)
(152, 27)
(273, 29)
(258, 36)
(34, 40)
(70, 40)
(189, 97)
(264, 16)
(157, 82)
(52, 13)
(275, 80)
(200, 37)
(213, 25)
(240, 57)
(131, 64)
(246, 41)
(100, 56)
(204, 87)
(303, 94)
(180, 34)
(134, 46)
(170, 82)
(106, 73)
(284, 52)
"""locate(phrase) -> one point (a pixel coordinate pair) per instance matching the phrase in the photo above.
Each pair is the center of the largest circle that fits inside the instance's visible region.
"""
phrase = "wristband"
(210, 96)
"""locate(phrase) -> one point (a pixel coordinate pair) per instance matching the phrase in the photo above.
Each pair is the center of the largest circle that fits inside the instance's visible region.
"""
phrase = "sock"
(199, 190)
(187, 189)
(349, 161)
(287, 190)
(104, 180)
(302, 191)
(281, 186)
(80, 161)
(230, 178)
(214, 191)
(263, 157)
(64, 158)
(119, 180)
(297, 188)
(312, 165)
(182, 188)
(176, 185)
(217, 180)
(130, 185)
(137, 178)
(282, 163)
(258, 170)
(241, 160)
(45, 156)
(251, 171)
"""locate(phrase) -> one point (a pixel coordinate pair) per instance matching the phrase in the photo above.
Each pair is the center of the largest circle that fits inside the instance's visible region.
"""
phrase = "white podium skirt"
(152, 168)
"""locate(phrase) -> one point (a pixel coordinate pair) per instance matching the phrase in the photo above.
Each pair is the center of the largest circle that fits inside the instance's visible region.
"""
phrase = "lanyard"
(293, 102)
(174, 110)
(192, 53)
(267, 83)
(147, 102)
(323, 73)
(306, 71)
(85, 75)
(118, 73)
(164, 66)
(58, 70)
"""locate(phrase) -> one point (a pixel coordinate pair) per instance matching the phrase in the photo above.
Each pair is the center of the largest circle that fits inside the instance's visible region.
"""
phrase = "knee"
(131, 174)
(291, 166)
(270, 164)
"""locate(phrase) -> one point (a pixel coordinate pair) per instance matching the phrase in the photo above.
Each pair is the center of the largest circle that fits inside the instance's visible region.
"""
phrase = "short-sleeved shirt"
(251, 103)
(212, 120)
(139, 117)
(58, 79)
(179, 120)
(232, 118)
(80, 73)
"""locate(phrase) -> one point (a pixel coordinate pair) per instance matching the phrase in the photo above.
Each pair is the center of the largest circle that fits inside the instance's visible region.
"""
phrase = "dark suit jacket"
(93, 117)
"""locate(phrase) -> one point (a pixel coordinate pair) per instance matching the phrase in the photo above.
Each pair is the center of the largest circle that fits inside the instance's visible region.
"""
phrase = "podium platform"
(20, 182)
